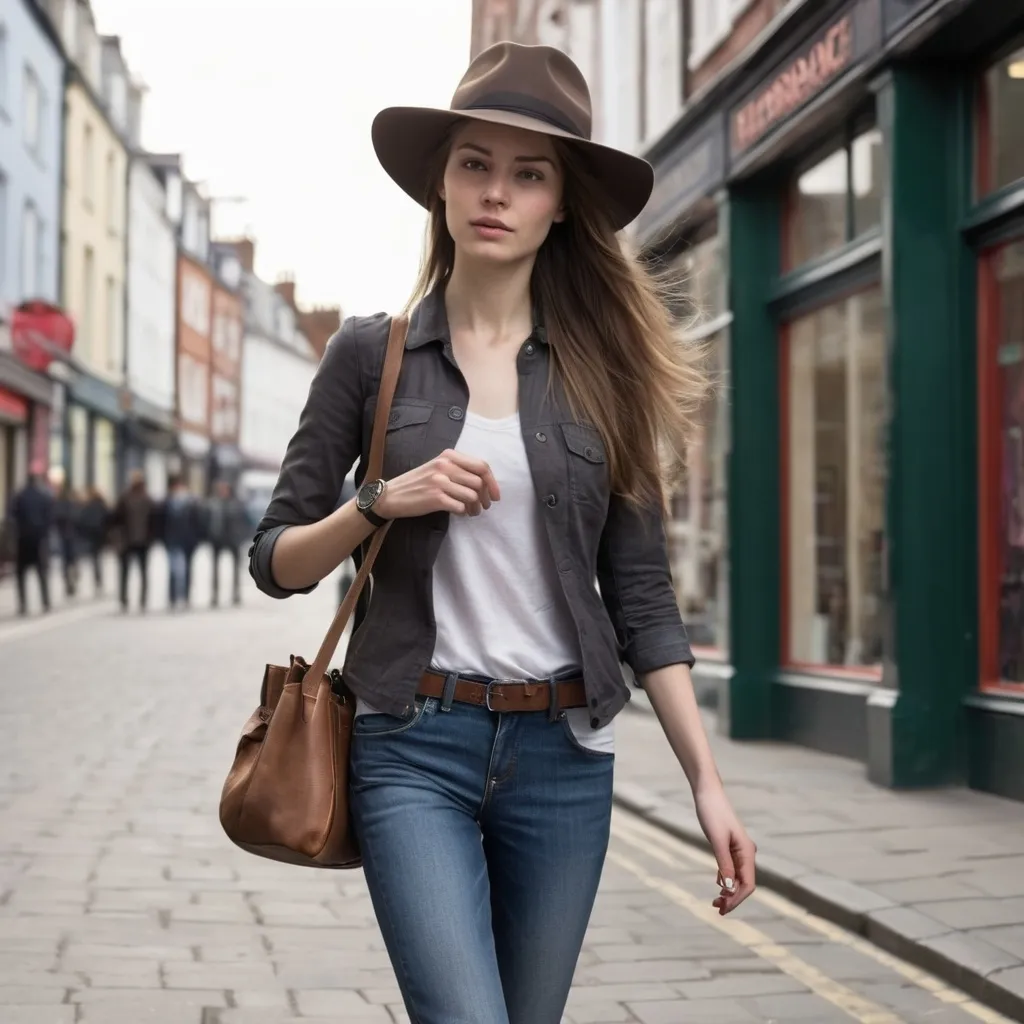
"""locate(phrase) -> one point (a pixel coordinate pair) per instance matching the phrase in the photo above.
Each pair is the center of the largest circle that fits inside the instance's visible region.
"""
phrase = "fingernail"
(728, 883)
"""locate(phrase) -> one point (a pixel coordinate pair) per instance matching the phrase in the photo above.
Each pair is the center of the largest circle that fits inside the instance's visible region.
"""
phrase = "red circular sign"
(40, 333)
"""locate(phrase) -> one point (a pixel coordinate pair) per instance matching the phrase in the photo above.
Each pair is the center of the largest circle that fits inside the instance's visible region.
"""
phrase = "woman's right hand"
(453, 482)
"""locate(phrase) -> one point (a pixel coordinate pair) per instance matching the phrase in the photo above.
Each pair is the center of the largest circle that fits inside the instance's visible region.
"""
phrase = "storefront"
(857, 584)
(94, 413)
(148, 443)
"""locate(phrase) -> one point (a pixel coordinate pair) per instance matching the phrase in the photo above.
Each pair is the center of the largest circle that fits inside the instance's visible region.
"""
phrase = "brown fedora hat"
(533, 87)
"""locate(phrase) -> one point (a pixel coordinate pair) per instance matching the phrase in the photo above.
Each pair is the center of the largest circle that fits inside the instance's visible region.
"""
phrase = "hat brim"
(407, 139)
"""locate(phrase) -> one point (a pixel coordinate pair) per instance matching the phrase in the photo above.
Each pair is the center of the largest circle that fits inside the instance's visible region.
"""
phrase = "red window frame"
(990, 460)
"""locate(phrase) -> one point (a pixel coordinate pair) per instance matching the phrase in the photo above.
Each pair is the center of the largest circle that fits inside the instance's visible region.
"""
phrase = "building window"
(710, 21)
(193, 380)
(195, 304)
(698, 535)
(87, 327)
(663, 65)
(31, 252)
(4, 105)
(113, 327)
(224, 414)
(835, 200)
(113, 220)
(1000, 125)
(836, 418)
(33, 113)
(88, 165)
(1001, 455)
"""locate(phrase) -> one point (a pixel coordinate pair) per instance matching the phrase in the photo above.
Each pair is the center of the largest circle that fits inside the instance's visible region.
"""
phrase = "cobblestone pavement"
(936, 876)
(121, 902)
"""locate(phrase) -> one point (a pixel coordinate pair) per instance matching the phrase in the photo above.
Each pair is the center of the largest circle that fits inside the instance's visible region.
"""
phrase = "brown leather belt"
(509, 694)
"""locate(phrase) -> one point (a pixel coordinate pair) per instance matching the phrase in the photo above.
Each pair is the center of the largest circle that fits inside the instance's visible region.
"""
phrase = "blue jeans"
(179, 579)
(483, 839)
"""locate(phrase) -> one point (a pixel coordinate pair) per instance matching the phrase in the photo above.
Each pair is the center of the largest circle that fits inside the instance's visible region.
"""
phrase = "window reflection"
(837, 199)
(1002, 158)
(698, 537)
(819, 209)
(837, 421)
(1010, 368)
(866, 160)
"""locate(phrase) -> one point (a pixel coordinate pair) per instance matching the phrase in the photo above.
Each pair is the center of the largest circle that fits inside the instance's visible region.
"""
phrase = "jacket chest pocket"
(406, 434)
(588, 465)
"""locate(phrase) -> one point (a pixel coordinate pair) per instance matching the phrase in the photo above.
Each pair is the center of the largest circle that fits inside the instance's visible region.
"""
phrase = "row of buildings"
(129, 339)
(842, 184)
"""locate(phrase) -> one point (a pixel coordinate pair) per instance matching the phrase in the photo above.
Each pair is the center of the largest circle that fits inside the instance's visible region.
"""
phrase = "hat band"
(528, 106)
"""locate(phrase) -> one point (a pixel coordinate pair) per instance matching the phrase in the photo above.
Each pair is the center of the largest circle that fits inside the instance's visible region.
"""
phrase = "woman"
(540, 386)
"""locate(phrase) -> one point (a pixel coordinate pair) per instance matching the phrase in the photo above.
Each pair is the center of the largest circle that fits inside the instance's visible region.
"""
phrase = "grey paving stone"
(347, 1005)
(740, 985)
(905, 924)
(39, 1014)
(795, 1007)
(696, 1011)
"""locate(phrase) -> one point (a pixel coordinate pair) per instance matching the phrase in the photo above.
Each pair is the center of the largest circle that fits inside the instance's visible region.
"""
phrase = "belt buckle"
(505, 680)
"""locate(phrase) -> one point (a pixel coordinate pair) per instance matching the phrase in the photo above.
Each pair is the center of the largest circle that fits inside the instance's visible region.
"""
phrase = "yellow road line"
(671, 851)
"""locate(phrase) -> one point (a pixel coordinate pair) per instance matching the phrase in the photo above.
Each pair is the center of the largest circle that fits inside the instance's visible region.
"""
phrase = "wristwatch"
(368, 495)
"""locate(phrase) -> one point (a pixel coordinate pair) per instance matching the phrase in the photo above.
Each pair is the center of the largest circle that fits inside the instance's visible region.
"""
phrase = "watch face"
(369, 493)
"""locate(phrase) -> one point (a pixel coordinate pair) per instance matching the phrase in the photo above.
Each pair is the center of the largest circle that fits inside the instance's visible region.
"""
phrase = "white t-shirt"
(498, 603)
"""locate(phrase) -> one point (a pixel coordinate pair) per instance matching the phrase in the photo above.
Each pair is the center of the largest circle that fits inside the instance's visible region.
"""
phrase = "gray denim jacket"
(594, 535)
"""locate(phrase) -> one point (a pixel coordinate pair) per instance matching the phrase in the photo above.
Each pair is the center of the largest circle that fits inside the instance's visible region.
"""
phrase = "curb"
(985, 972)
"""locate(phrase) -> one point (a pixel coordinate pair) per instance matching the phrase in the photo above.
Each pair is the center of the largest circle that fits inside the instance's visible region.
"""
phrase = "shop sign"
(40, 333)
(899, 12)
(694, 170)
(806, 74)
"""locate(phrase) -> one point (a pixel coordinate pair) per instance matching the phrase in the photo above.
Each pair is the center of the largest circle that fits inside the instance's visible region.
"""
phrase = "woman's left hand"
(733, 848)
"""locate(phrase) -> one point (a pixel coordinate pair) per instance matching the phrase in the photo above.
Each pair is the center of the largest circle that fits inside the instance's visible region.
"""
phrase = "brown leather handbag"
(286, 796)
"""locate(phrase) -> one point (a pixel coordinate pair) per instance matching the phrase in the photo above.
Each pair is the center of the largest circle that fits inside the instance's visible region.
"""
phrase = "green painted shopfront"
(848, 548)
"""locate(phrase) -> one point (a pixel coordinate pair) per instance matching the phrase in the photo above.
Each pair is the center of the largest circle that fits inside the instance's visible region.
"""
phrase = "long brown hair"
(615, 339)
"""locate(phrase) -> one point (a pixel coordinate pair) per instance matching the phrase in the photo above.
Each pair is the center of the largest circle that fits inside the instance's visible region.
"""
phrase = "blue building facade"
(31, 152)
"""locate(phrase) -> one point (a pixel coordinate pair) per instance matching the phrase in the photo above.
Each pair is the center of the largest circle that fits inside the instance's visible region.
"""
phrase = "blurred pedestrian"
(182, 534)
(543, 382)
(133, 527)
(32, 515)
(67, 521)
(94, 526)
(227, 527)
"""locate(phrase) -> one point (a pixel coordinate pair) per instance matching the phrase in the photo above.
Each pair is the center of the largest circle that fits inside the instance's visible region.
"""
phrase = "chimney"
(245, 250)
(285, 287)
(318, 324)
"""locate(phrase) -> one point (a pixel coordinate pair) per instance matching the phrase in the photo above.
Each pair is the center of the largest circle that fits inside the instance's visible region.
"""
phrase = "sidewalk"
(935, 877)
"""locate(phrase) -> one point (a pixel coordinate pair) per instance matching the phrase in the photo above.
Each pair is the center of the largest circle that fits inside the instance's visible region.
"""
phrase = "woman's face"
(502, 190)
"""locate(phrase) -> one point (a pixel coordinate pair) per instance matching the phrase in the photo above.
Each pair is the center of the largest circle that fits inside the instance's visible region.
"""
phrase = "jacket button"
(541, 436)
(595, 722)
(588, 453)
(529, 350)
(551, 500)
(455, 413)
(393, 418)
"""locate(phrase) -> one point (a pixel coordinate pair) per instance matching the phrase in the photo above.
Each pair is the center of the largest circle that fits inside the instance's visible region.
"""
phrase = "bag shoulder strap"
(375, 469)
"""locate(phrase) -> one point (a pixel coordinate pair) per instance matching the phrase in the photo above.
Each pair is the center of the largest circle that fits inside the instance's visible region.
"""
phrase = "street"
(122, 901)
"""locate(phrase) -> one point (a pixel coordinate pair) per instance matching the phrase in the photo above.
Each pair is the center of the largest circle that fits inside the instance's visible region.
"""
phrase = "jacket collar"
(429, 321)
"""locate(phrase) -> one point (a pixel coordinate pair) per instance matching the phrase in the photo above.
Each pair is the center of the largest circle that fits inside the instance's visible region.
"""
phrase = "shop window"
(1001, 526)
(1000, 125)
(698, 527)
(835, 199)
(835, 394)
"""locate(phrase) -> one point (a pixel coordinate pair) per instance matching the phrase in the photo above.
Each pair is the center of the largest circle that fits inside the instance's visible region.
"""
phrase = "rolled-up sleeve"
(636, 586)
(322, 450)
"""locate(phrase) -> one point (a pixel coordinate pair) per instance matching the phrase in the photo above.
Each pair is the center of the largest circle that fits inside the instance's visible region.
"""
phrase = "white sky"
(273, 101)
